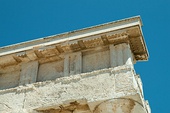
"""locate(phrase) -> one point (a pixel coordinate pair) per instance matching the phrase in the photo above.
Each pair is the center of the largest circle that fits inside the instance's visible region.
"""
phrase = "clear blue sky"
(23, 20)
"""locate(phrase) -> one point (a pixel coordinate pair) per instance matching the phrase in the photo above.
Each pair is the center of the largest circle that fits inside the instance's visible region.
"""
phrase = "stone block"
(29, 73)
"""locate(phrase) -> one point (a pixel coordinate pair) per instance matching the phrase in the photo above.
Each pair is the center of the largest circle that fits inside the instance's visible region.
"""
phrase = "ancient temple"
(90, 70)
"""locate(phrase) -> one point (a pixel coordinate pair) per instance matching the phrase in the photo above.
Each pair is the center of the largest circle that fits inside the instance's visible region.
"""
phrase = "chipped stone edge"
(67, 79)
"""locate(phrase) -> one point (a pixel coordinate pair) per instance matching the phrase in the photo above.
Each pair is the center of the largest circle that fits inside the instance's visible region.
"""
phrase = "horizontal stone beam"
(110, 84)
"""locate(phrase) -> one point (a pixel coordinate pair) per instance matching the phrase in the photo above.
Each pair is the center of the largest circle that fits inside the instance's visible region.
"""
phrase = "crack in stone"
(24, 99)
(6, 105)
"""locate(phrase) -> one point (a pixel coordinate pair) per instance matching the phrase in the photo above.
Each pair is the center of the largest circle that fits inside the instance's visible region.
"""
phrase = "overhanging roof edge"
(46, 40)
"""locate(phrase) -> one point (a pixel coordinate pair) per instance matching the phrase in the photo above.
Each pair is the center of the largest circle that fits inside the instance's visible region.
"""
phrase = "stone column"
(28, 72)
(120, 106)
(82, 108)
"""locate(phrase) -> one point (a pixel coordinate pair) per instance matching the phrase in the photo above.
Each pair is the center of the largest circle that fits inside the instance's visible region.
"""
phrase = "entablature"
(54, 47)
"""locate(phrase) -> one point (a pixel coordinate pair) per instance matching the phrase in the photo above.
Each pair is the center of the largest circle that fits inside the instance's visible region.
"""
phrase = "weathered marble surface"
(88, 89)
(85, 71)
(71, 64)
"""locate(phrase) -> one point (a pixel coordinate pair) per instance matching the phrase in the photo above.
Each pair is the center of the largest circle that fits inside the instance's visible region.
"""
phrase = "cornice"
(116, 32)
